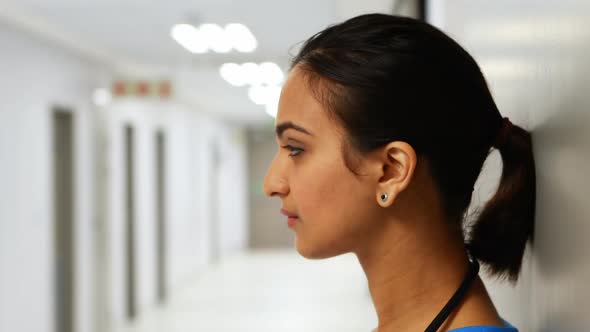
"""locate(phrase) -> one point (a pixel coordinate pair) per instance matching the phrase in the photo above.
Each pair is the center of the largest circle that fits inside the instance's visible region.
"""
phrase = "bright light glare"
(216, 38)
(272, 109)
(251, 73)
(232, 73)
(271, 73)
(267, 73)
(190, 38)
(213, 37)
(240, 37)
(102, 97)
(258, 94)
(264, 95)
(272, 102)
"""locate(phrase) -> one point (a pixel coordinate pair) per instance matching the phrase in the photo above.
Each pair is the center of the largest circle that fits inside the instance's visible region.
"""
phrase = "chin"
(316, 252)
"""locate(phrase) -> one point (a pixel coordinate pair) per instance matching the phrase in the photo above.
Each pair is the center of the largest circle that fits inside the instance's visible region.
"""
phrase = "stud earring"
(384, 197)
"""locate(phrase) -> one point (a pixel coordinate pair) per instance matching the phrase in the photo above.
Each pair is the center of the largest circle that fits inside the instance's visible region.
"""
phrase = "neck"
(410, 279)
(414, 263)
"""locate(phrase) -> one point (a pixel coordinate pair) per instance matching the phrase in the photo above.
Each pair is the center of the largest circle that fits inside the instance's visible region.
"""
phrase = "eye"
(294, 151)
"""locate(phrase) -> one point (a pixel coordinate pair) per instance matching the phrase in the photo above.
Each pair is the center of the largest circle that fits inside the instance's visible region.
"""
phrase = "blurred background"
(135, 135)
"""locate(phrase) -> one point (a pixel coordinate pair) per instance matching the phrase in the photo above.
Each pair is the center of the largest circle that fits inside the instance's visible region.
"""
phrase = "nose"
(275, 182)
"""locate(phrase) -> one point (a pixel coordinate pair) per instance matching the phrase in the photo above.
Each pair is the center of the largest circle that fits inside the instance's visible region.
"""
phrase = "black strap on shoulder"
(456, 298)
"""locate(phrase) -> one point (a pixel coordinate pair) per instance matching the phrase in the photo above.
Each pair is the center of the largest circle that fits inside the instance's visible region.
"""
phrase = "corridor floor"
(264, 291)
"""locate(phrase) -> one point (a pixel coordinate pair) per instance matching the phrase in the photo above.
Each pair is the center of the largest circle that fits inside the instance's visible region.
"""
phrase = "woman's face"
(309, 175)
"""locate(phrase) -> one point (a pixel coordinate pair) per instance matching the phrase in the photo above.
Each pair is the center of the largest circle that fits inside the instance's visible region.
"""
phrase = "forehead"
(299, 105)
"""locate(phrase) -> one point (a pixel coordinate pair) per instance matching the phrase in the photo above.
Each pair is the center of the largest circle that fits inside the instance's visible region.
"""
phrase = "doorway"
(161, 216)
(63, 177)
(130, 281)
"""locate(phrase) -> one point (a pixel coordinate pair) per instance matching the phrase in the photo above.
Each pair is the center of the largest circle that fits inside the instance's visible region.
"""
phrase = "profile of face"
(337, 210)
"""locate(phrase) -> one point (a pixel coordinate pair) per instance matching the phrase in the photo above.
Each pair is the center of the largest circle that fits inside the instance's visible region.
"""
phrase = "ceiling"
(133, 37)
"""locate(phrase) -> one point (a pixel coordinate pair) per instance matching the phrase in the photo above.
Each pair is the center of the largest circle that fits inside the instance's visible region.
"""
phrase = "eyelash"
(292, 149)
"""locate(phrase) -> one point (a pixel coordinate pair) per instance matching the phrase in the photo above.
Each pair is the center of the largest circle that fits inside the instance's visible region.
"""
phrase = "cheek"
(315, 199)
(315, 187)
(335, 213)
(330, 196)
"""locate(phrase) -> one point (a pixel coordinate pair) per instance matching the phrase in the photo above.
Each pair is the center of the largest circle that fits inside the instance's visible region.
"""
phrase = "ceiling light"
(216, 38)
(251, 73)
(272, 109)
(233, 74)
(240, 37)
(264, 95)
(267, 73)
(213, 37)
(190, 38)
(258, 94)
(271, 73)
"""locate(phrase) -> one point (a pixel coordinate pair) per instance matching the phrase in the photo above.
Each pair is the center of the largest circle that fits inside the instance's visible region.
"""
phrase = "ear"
(397, 162)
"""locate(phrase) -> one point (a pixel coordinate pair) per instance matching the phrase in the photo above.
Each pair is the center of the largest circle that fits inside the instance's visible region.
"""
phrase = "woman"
(384, 124)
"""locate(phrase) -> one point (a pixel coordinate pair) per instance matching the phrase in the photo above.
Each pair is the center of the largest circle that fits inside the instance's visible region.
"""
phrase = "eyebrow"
(280, 129)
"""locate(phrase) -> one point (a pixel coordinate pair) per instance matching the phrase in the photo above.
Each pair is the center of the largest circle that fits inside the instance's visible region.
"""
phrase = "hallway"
(268, 290)
(136, 138)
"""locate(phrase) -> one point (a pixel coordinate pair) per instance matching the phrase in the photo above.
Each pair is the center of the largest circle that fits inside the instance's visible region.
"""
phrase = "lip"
(292, 218)
(288, 214)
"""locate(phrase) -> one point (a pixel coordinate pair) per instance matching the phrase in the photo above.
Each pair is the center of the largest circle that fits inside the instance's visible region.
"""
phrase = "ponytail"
(500, 233)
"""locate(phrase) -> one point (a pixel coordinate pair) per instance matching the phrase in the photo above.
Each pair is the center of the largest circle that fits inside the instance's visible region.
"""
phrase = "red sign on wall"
(144, 88)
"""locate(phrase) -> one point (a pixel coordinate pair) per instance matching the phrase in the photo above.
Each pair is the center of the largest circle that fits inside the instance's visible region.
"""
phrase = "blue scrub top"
(507, 328)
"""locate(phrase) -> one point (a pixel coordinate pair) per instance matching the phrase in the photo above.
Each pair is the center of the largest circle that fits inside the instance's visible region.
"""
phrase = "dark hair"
(389, 78)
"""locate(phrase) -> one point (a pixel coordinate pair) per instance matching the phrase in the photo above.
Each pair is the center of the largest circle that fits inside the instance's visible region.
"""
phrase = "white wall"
(36, 76)
(535, 57)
